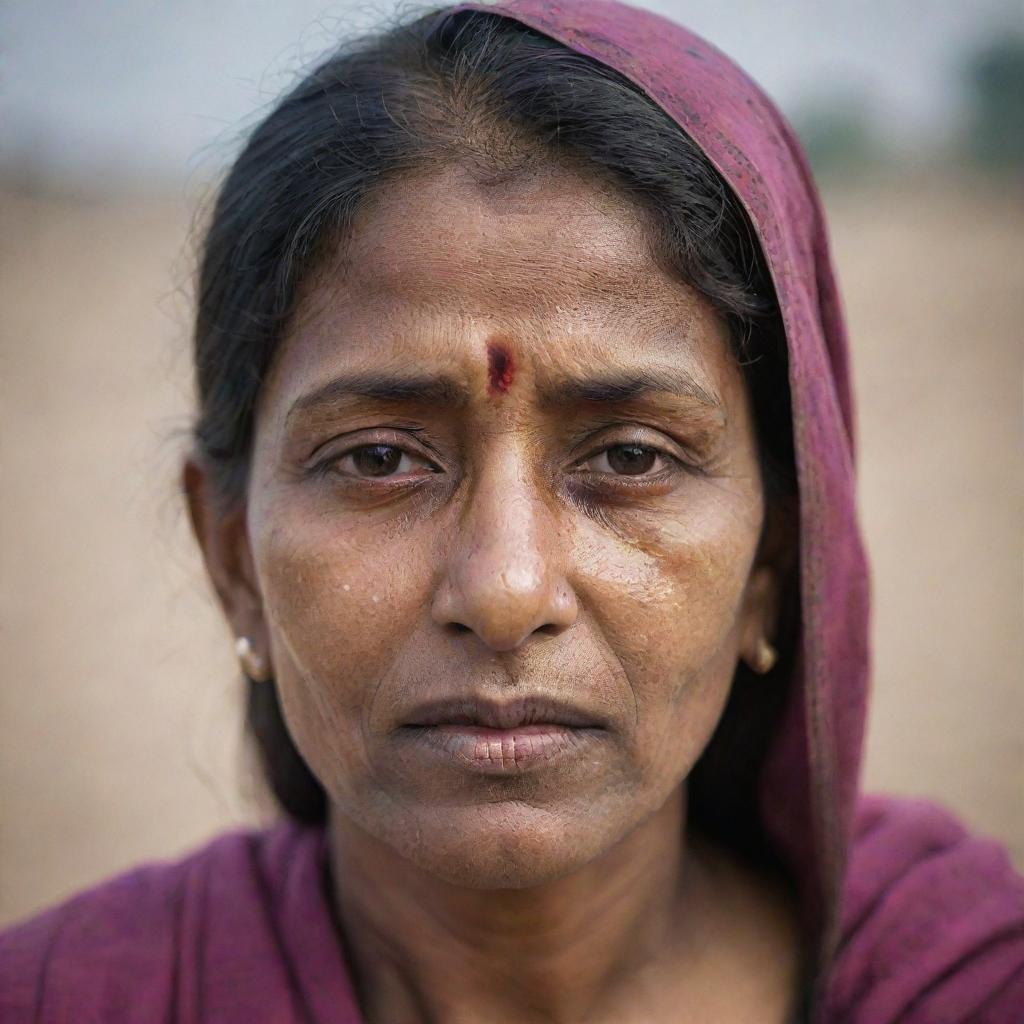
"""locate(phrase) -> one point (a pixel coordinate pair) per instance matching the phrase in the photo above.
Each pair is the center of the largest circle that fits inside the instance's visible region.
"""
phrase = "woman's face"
(502, 526)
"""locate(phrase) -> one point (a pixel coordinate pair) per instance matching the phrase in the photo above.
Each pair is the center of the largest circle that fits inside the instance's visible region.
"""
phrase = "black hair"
(494, 95)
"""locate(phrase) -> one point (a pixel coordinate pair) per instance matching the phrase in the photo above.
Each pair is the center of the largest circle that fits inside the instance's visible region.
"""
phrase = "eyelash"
(330, 463)
(635, 481)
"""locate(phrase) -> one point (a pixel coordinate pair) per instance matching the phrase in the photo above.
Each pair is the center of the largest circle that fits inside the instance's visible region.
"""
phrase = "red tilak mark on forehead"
(500, 370)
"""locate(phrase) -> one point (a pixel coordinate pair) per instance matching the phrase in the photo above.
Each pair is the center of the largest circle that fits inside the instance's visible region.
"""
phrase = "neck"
(423, 949)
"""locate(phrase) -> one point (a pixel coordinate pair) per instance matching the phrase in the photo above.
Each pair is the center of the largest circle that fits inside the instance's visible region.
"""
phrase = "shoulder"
(131, 947)
(932, 922)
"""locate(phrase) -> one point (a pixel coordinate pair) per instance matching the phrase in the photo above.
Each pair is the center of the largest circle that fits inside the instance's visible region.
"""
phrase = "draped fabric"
(913, 920)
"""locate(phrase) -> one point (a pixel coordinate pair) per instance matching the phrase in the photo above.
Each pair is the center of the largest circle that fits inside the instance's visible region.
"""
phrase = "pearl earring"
(252, 664)
(764, 657)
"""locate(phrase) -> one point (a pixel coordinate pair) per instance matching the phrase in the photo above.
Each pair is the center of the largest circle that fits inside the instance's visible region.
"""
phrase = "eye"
(376, 461)
(625, 460)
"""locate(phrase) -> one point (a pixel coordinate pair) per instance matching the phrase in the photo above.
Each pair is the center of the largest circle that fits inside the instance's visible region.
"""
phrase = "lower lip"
(502, 751)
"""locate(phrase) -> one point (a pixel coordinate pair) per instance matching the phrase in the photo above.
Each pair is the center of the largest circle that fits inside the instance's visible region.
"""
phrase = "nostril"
(550, 629)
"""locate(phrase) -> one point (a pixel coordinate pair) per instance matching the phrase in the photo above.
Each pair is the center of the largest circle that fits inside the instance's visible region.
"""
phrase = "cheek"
(337, 602)
(668, 594)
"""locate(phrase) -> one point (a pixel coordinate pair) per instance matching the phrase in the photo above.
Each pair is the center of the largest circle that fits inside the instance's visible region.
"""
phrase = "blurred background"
(120, 715)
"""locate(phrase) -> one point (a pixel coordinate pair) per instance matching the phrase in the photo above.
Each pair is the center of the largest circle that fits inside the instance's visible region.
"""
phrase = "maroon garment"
(914, 920)
(241, 932)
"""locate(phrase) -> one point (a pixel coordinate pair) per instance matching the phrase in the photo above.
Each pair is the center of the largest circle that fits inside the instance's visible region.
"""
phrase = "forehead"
(555, 262)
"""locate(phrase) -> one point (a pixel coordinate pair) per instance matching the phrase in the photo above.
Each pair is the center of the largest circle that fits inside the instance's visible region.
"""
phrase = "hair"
(488, 93)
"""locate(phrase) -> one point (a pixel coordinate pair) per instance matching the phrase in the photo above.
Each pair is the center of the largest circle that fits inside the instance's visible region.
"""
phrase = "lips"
(492, 737)
(503, 715)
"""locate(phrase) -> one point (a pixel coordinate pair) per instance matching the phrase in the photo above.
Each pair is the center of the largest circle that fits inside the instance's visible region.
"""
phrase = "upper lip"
(494, 714)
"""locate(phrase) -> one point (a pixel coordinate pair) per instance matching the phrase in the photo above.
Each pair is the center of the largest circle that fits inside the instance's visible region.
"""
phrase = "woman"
(523, 472)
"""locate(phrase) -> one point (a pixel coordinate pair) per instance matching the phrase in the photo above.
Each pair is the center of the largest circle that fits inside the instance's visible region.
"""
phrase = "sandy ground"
(120, 729)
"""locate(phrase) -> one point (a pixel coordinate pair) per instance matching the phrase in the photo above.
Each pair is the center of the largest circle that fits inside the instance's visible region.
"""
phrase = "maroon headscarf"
(912, 920)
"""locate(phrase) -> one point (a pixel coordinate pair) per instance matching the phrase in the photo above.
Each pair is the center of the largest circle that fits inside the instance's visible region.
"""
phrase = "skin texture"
(517, 532)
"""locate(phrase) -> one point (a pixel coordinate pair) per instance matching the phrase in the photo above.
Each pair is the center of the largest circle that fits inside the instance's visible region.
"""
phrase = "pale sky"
(165, 89)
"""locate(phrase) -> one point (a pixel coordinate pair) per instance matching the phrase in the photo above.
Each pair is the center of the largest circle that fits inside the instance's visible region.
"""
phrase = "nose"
(505, 578)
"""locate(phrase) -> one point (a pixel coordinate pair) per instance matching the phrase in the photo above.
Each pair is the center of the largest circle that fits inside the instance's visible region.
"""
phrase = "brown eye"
(631, 459)
(378, 462)
(376, 459)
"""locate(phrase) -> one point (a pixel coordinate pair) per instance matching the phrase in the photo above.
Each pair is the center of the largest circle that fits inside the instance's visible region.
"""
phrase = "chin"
(506, 845)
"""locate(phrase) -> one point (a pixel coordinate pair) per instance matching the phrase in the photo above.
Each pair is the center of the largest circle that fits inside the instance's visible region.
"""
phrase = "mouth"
(495, 737)
(502, 715)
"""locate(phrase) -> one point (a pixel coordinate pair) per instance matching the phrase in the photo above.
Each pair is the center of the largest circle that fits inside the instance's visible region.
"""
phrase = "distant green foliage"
(995, 83)
(838, 136)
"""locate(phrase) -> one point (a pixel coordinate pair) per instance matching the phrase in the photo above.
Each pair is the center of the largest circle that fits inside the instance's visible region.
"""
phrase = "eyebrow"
(613, 388)
(628, 385)
(384, 387)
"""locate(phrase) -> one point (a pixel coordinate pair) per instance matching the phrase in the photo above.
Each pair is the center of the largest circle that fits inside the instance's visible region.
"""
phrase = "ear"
(760, 619)
(223, 538)
(762, 598)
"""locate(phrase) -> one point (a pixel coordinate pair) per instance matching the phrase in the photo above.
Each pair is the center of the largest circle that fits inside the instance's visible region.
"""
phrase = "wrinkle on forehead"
(563, 269)
(444, 229)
